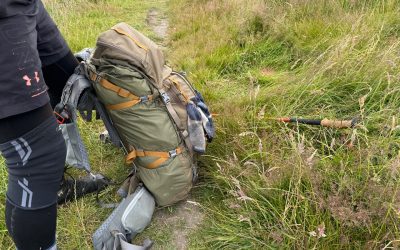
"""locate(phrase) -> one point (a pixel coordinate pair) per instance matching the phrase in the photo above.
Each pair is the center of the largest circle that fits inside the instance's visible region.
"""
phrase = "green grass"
(81, 22)
(266, 185)
(334, 59)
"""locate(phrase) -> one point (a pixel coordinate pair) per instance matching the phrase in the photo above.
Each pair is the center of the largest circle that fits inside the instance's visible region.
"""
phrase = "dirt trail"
(158, 22)
(185, 217)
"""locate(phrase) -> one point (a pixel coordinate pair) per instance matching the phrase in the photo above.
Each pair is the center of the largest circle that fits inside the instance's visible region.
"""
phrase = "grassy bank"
(270, 185)
(265, 184)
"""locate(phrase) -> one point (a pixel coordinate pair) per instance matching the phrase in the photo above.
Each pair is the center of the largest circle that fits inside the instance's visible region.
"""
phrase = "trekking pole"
(324, 122)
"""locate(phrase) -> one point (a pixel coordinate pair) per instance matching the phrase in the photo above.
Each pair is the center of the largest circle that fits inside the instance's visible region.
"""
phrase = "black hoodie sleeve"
(14, 7)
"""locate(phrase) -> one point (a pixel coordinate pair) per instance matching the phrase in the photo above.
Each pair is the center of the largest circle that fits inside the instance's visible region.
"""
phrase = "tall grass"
(294, 186)
(265, 184)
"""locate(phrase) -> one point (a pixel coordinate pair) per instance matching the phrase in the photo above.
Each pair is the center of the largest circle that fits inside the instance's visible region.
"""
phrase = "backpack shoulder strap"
(102, 111)
(182, 131)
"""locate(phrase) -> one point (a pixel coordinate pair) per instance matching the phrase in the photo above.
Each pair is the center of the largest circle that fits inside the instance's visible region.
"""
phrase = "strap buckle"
(98, 78)
(144, 99)
(184, 133)
(95, 77)
(173, 153)
(62, 116)
(166, 98)
(59, 118)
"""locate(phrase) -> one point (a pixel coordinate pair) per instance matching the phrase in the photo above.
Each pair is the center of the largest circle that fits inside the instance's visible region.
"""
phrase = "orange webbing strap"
(163, 156)
(178, 86)
(130, 37)
(120, 91)
(122, 105)
(110, 86)
(130, 103)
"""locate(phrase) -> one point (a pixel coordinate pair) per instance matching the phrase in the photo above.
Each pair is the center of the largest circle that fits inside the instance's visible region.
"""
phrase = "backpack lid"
(125, 44)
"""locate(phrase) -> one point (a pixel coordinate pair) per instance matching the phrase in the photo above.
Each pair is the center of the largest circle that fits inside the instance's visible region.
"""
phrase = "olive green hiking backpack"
(161, 119)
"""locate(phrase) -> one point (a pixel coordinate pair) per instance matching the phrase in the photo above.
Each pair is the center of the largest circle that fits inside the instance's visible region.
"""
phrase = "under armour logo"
(23, 149)
(37, 76)
(28, 80)
(27, 194)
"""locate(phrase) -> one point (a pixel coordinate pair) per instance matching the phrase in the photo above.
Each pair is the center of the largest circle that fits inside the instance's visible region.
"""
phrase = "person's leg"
(35, 163)
(17, 220)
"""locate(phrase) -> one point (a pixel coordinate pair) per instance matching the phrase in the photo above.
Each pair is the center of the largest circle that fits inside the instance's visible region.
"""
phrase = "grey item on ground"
(130, 218)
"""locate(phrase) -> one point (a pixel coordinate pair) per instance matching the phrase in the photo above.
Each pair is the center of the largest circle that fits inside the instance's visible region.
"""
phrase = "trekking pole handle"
(337, 123)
